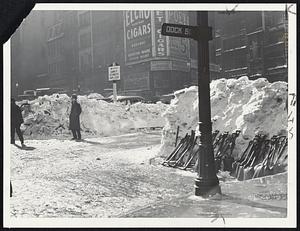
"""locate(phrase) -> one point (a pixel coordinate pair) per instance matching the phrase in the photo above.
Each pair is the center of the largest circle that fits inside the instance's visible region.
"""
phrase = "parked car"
(126, 99)
(30, 92)
(167, 98)
(43, 91)
(50, 91)
(25, 97)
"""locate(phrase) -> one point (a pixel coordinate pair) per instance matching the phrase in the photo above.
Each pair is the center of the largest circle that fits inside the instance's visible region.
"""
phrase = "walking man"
(15, 122)
(74, 118)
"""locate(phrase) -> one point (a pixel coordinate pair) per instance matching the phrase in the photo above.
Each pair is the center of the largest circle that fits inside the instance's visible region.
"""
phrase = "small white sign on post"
(114, 73)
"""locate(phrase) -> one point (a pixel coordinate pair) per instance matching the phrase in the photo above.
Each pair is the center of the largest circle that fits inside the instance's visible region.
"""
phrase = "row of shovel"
(184, 156)
(185, 153)
(262, 157)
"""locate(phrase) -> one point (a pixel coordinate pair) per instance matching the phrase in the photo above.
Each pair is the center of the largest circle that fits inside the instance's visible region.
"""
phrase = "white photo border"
(290, 221)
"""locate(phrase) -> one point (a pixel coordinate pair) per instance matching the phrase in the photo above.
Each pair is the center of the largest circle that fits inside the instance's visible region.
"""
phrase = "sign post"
(206, 183)
(114, 75)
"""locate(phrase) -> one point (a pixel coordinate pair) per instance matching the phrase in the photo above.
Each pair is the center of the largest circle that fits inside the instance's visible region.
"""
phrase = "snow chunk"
(252, 106)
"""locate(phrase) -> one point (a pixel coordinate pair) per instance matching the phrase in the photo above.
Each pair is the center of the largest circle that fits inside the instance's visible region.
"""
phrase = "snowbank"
(48, 116)
(253, 106)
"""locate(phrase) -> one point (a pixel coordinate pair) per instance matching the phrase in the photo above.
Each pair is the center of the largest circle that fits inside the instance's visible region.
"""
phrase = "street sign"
(177, 30)
(114, 73)
(186, 31)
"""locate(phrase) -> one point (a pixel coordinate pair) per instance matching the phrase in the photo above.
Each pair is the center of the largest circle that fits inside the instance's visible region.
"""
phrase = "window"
(84, 19)
(274, 18)
(85, 40)
(51, 33)
(235, 42)
(85, 61)
(52, 68)
(55, 31)
(254, 22)
(234, 61)
(57, 67)
(54, 47)
(58, 15)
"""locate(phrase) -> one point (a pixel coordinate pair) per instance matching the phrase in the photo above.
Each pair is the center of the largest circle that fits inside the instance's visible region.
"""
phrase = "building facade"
(253, 44)
(73, 50)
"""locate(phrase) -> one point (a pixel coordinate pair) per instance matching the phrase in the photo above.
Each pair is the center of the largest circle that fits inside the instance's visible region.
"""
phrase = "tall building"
(73, 50)
(28, 52)
(252, 43)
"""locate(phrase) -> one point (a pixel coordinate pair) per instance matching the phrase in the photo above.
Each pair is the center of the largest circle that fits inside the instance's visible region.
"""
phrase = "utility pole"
(206, 183)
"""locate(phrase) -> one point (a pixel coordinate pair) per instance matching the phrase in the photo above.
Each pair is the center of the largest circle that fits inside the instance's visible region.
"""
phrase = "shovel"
(189, 146)
(239, 173)
(179, 153)
(236, 163)
(190, 155)
(182, 141)
(278, 165)
(214, 135)
(221, 144)
(193, 157)
(279, 150)
(263, 153)
(183, 147)
(251, 160)
(266, 170)
(258, 167)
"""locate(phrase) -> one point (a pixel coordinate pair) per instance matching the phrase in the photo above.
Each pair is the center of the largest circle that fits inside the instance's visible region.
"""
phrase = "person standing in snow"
(74, 118)
(16, 120)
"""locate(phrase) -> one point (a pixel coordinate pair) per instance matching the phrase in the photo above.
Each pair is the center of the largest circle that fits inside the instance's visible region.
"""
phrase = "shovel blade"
(248, 173)
(240, 174)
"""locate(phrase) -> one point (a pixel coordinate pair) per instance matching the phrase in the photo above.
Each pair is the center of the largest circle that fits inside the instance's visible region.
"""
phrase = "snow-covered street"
(117, 177)
(98, 177)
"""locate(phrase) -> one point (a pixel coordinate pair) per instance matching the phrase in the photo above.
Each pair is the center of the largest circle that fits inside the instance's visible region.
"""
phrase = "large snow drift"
(252, 106)
(48, 116)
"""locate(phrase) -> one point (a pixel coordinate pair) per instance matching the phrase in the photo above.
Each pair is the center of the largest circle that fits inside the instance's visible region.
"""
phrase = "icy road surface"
(99, 177)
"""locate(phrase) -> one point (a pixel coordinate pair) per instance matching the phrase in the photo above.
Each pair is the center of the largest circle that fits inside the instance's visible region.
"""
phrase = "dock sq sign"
(114, 73)
(186, 31)
(177, 30)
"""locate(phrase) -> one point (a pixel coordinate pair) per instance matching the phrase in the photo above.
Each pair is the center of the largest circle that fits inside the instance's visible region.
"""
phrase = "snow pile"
(49, 116)
(252, 106)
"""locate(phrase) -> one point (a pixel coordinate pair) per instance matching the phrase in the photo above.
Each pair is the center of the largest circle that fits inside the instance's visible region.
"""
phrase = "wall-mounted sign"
(143, 39)
(180, 66)
(160, 41)
(179, 48)
(137, 36)
(139, 81)
(161, 65)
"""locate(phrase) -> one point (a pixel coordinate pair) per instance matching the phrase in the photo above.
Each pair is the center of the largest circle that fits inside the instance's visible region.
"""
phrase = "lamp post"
(206, 183)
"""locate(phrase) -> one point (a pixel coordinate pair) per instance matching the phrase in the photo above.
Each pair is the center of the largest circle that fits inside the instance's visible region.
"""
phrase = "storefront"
(155, 64)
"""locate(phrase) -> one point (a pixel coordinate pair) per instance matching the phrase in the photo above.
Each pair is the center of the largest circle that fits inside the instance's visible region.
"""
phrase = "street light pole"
(206, 183)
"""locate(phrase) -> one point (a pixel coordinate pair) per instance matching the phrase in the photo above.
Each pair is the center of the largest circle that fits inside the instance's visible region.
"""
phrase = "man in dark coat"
(15, 122)
(74, 118)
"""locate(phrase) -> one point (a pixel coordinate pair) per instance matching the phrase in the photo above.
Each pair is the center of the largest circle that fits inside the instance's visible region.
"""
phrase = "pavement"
(264, 197)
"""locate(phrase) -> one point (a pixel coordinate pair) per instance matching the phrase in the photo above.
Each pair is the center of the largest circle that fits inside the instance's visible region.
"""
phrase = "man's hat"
(74, 96)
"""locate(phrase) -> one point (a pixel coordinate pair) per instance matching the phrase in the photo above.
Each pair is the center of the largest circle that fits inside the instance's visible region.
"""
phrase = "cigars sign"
(143, 39)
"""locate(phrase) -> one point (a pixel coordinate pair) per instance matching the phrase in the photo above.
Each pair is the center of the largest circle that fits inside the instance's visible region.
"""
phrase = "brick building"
(73, 49)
